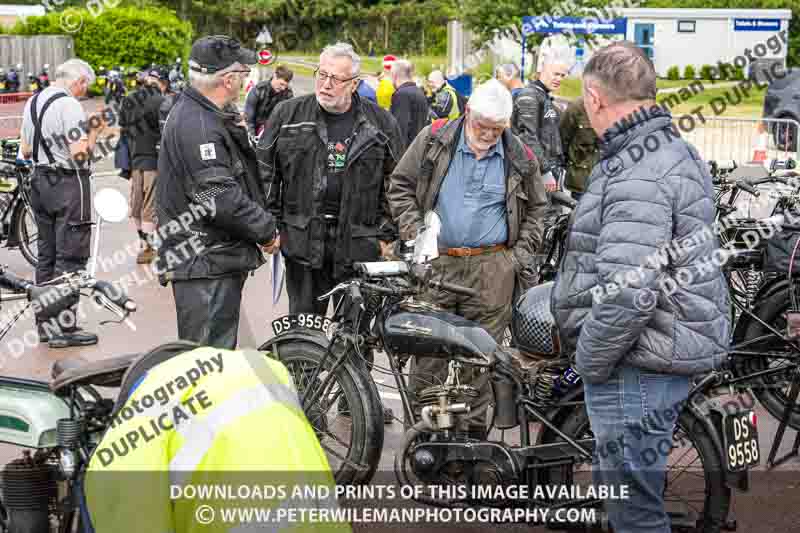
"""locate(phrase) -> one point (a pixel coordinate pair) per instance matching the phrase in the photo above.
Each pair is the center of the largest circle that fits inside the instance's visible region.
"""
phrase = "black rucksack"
(462, 102)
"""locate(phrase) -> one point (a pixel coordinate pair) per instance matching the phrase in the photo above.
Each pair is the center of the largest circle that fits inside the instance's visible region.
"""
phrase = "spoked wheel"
(346, 416)
(772, 390)
(695, 494)
(27, 234)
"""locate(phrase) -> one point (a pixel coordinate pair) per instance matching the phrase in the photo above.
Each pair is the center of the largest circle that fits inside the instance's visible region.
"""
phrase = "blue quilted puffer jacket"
(641, 280)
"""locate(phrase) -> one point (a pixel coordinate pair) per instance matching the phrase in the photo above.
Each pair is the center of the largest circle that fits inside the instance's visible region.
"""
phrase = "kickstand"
(794, 392)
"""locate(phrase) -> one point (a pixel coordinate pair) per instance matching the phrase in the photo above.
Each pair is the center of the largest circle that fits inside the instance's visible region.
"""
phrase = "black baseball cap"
(217, 52)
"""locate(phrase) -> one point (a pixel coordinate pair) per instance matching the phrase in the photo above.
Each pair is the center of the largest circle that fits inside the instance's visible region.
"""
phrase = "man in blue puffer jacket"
(640, 296)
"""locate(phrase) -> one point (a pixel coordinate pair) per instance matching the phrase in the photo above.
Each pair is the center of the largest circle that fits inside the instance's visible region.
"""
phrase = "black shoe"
(73, 338)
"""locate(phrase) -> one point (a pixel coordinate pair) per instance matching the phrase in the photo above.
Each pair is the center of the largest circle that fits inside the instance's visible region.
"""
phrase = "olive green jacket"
(581, 145)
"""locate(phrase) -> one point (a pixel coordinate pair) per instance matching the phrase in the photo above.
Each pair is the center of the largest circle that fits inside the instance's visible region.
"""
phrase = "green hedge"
(123, 36)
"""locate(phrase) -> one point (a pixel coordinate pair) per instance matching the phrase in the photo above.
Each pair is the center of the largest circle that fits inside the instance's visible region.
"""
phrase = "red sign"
(265, 57)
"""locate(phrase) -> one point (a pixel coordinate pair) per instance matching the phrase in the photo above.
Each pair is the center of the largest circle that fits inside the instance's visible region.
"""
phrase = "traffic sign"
(265, 57)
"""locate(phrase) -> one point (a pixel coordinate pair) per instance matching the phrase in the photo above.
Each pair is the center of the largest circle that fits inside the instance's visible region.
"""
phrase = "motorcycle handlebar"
(114, 295)
(563, 199)
(9, 280)
(747, 187)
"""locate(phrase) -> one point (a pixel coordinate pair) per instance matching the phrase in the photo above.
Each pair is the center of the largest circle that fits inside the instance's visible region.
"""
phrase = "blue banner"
(574, 25)
(756, 24)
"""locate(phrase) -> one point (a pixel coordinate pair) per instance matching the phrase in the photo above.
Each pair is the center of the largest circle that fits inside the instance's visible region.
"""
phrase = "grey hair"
(403, 68)
(341, 49)
(623, 71)
(74, 69)
(209, 82)
(509, 70)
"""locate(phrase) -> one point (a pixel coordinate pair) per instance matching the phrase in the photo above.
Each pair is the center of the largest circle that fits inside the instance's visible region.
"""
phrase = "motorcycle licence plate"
(741, 441)
(302, 320)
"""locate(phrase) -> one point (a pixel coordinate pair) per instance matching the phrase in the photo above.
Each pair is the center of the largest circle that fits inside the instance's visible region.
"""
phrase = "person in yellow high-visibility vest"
(385, 86)
(212, 441)
(444, 102)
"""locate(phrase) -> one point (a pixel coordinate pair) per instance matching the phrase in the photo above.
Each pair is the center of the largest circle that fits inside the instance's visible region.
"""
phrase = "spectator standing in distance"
(581, 147)
(59, 139)
(170, 97)
(445, 101)
(509, 76)
(262, 99)
(207, 169)
(409, 105)
(638, 345)
(484, 184)
(536, 119)
(385, 86)
(142, 126)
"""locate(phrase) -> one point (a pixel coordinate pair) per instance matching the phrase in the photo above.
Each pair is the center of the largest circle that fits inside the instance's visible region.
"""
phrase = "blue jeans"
(633, 416)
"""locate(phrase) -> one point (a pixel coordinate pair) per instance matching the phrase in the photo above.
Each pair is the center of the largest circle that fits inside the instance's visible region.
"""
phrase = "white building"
(10, 14)
(680, 37)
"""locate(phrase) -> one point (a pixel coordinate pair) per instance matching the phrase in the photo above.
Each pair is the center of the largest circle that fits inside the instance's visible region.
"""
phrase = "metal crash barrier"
(745, 140)
(14, 98)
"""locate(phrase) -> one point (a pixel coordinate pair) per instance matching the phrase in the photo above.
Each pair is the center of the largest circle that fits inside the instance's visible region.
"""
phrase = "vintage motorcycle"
(18, 227)
(532, 385)
(58, 423)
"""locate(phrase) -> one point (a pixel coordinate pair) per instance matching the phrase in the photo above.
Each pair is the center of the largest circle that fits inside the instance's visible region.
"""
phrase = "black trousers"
(61, 203)
(305, 284)
(208, 310)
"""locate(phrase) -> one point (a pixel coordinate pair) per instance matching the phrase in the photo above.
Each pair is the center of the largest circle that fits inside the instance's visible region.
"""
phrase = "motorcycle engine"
(30, 493)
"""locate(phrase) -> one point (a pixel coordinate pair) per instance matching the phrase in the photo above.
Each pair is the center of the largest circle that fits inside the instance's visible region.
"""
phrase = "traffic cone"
(760, 151)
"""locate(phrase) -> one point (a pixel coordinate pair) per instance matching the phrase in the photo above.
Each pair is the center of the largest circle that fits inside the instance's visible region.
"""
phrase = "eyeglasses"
(323, 77)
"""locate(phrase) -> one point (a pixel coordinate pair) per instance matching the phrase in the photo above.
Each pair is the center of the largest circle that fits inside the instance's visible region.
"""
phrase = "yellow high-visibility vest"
(384, 93)
(203, 434)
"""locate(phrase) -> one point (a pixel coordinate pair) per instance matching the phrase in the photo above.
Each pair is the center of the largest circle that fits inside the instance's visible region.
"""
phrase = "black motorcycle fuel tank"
(437, 334)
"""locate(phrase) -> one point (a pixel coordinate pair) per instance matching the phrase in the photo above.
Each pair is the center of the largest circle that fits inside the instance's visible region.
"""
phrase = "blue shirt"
(515, 92)
(472, 200)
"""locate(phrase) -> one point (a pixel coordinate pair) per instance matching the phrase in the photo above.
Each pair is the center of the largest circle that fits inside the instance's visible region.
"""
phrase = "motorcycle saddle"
(103, 373)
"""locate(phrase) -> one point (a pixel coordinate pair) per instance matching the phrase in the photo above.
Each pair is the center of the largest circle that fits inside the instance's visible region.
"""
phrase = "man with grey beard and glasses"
(325, 160)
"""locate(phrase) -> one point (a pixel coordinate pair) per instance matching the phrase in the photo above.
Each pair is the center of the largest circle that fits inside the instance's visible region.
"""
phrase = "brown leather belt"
(467, 252)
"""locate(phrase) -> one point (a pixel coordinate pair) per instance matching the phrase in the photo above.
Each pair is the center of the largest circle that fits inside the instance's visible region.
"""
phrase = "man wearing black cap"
(210, 203)
(141, 124)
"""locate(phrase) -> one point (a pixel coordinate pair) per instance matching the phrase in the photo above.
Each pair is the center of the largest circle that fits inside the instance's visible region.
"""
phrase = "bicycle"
(18, 222)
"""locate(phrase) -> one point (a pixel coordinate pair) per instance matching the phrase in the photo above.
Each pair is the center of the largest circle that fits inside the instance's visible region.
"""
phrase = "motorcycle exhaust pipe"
(505, 397)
